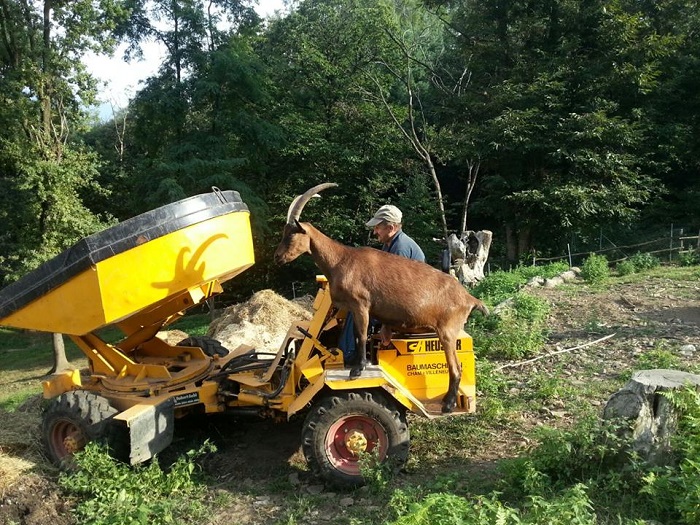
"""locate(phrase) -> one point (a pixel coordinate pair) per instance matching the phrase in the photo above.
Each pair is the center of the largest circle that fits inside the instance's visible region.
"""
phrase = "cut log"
(469, 255)
(651, 416)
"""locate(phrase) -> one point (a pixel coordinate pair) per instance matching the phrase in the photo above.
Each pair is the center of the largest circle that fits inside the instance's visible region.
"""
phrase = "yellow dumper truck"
(140, 276)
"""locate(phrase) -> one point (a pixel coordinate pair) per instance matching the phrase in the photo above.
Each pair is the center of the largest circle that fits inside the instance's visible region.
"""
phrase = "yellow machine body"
(141, 278)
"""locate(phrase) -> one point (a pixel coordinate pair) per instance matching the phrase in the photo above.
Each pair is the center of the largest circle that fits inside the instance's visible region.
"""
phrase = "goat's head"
(295, 240)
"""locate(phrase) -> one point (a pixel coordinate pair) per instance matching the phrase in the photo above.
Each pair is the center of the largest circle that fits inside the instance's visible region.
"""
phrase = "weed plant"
(625, 267)
(112, 493)
(658, 357)
(501, 285)
(570, 507)
(689, 258)
(585, 452)
(518, 330)
(595, 269)
(644, 261)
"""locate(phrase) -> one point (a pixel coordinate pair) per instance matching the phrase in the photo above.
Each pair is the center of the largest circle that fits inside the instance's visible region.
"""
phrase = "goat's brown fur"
(400, 292)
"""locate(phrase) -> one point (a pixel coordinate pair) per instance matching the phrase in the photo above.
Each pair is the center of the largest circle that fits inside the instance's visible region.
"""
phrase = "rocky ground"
(259, 464)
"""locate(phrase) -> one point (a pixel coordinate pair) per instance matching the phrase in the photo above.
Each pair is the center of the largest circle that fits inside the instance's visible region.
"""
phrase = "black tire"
(72, 420)
(334, 420)
(209, 345)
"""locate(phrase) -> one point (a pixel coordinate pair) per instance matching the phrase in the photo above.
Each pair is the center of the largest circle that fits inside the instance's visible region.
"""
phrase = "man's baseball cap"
(387, 213)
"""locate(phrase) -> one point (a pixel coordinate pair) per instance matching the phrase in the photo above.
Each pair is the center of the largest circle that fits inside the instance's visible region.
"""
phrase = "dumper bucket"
(116, 273)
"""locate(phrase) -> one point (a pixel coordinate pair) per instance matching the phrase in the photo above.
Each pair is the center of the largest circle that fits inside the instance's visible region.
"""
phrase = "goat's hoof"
(447, 409)
(356, 372)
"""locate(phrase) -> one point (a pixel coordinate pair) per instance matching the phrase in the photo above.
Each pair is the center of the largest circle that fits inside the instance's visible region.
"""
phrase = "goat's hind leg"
(449, 402)
(361, 325)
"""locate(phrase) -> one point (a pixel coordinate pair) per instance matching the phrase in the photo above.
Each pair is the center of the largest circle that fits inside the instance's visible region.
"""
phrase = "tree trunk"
(60, 361)
(470, 254)
(651, 416)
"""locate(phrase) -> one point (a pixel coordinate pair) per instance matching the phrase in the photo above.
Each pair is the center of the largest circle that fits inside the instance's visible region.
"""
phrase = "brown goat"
(399, 292)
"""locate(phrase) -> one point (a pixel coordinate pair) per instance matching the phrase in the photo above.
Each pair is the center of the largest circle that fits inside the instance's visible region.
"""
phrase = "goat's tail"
(480, 306)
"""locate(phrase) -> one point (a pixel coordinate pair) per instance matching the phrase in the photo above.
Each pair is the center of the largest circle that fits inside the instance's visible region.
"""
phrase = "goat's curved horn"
(300, 201)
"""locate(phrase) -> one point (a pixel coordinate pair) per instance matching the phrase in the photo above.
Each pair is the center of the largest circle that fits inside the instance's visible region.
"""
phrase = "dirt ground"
(259, 463)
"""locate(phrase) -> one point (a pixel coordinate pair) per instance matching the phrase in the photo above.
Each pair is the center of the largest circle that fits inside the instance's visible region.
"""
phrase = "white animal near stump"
(652, 417)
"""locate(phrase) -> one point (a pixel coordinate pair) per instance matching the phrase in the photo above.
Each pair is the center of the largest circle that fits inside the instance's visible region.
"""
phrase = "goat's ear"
(300, 228)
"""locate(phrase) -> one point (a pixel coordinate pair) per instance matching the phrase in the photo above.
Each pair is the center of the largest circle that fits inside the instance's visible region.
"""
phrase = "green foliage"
(501, 285)
(546, 271)
(595, 269)
(689, 258)
(375, 473)
(572, 506)
(644, 261)
(675, 489)
(492, 391)
(658, 357)
(193, 324)
(588, 451)
(519, 329)
(111, 492)
(625, 267)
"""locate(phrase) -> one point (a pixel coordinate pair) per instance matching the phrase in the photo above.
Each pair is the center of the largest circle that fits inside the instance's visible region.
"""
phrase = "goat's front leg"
(361, 325)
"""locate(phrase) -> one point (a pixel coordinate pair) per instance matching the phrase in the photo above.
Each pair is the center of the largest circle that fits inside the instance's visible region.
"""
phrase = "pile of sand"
(262, 321)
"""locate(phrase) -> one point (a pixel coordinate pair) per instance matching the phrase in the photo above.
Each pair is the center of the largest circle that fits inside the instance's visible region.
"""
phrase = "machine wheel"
(343, 425)
(209, 345)
(72, 420)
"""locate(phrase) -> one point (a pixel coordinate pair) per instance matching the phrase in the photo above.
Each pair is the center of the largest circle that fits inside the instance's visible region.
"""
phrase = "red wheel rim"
(66, 438)
(344, 430)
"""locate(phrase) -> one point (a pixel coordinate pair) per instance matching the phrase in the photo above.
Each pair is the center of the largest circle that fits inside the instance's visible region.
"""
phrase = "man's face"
(385, 231)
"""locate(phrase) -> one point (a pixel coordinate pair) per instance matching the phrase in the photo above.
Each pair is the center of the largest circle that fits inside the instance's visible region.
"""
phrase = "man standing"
(386, 225)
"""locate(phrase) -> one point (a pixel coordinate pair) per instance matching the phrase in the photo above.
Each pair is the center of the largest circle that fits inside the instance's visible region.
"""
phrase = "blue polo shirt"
(403, 245)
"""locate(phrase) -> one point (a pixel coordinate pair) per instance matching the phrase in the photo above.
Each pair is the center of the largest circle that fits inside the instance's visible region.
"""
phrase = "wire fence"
(665, 248)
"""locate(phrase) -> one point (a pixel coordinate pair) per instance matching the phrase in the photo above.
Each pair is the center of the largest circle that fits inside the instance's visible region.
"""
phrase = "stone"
(314, 489)
(687, 350)
(553, 282)
(569, 275)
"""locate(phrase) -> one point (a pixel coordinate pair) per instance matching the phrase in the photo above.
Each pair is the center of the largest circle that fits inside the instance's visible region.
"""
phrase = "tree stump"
(652, 418)
(469, 254)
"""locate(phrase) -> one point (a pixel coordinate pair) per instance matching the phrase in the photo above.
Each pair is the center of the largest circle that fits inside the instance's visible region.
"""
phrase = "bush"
(625, 267)
(644, 261)
(689, 258)
(517, 331)
(595, 269)
(498, 286)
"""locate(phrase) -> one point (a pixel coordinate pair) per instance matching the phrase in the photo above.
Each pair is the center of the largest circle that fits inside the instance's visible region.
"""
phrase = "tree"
(46, 89)
(554, 92)
(325, 61)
